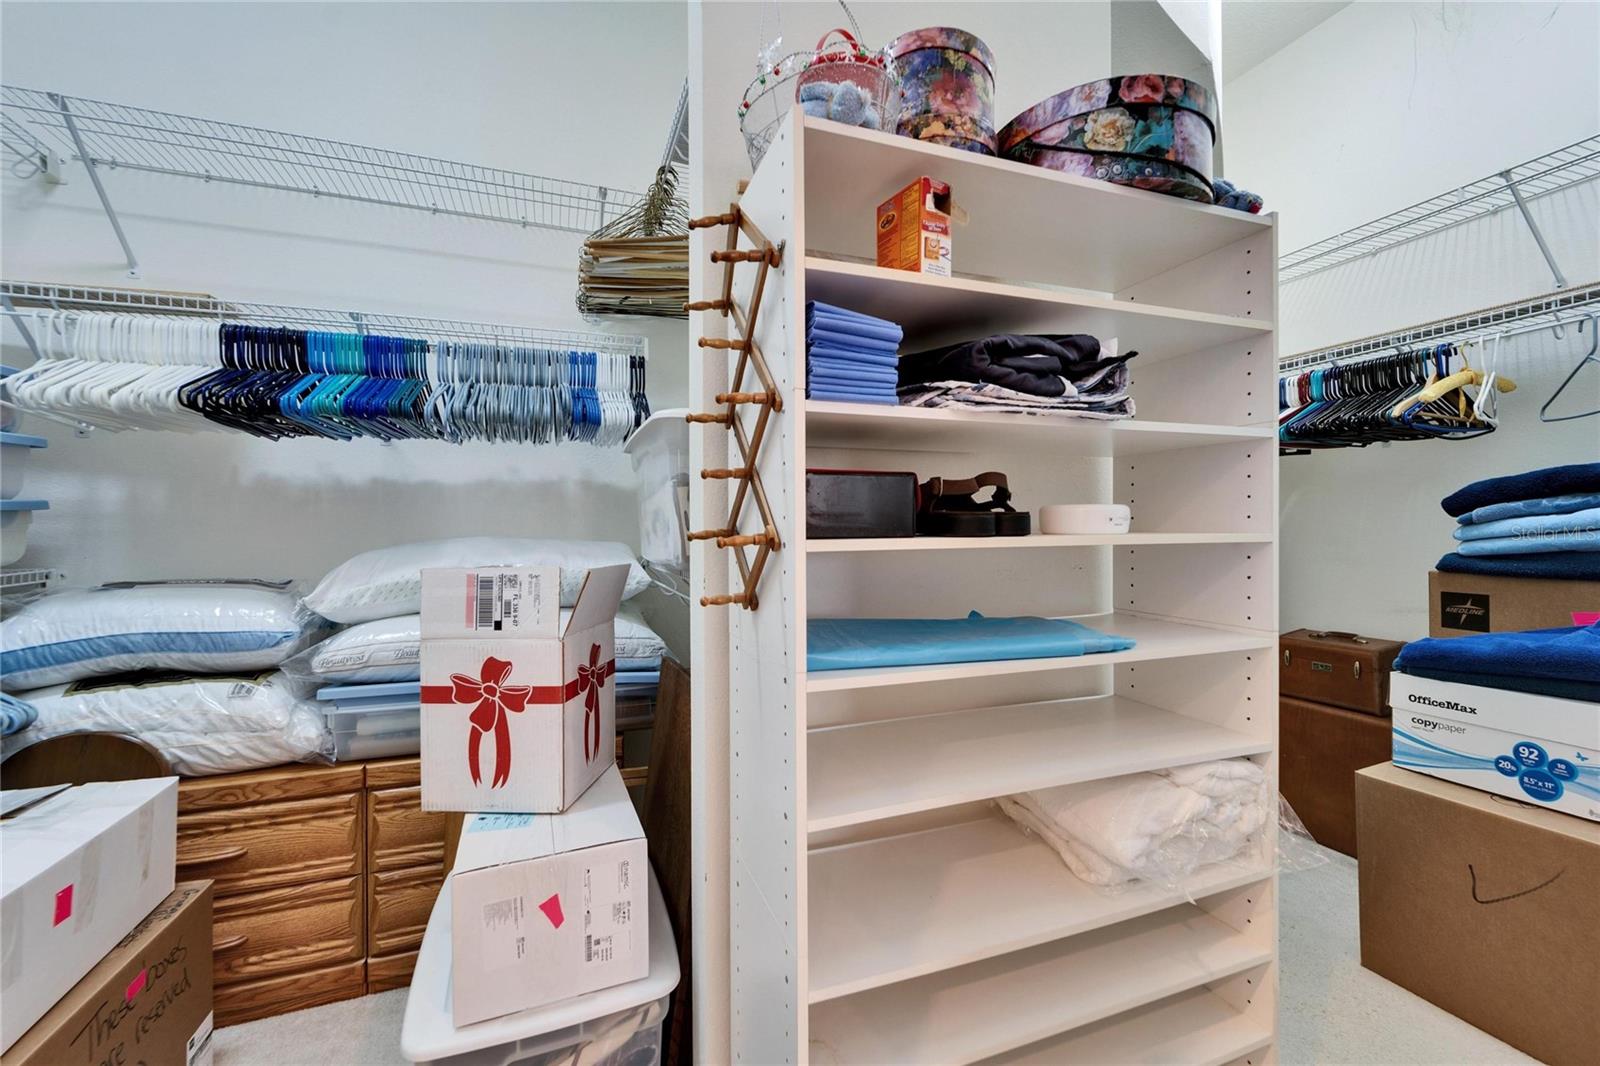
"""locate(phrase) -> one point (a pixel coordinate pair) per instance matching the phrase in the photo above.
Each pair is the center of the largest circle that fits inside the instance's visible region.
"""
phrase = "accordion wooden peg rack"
(751, 389)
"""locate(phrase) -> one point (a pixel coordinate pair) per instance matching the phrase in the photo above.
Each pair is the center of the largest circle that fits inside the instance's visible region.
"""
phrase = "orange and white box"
(914, 228)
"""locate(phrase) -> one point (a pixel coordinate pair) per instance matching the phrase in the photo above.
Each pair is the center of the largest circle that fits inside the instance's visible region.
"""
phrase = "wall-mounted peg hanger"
(708, 305)
(768, 255)
(720, 345)
(743, 599)
(768, 539)
(746, 397)
(716, 420)
(724, 474)
(727, 218)
(710, 534)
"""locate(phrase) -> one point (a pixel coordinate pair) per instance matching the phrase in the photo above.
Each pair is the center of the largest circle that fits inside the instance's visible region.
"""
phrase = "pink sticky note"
(552, 910)
(63, 905)
(1585, 618)
(136, 985)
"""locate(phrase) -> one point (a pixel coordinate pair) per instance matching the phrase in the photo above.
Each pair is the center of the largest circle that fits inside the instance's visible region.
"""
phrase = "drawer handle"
(214, 856)
(229, 944)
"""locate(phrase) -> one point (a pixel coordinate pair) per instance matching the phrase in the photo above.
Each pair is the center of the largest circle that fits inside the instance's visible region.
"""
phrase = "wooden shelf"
(934, 310)
(1196, 1028)
(1154, 639)
(1026, 223)
(1007, 1002)
(831, 424)
(1036, 540)
(863, 773)
(895, 908)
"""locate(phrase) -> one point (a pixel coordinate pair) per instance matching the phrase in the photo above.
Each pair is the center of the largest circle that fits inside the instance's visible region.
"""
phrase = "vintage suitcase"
(1321, 747)
(1338, 668)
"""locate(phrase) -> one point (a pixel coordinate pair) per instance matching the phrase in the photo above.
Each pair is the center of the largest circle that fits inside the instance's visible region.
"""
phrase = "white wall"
(1379, 107)
(569, 90)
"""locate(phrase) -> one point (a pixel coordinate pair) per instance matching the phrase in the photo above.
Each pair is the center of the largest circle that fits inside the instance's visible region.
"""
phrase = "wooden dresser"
(324, 878)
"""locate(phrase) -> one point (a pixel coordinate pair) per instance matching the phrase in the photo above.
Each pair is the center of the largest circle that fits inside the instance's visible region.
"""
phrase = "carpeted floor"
(1332, 1011)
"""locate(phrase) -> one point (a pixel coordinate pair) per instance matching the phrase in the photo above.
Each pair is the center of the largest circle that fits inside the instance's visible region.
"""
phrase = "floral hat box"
(518, 713)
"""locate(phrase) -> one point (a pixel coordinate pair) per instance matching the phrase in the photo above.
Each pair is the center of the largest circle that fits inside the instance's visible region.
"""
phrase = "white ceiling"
(1253, 30)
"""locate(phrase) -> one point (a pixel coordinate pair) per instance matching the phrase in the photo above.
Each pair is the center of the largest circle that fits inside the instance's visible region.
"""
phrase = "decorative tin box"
(946, 88)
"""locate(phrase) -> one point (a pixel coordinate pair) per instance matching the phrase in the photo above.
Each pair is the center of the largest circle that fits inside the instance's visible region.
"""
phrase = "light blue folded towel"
(1532, 526)
(880, 360)
(826, 392)
(847, 374)
(1577, 540)
(1495, 512)
(856, 643)
(818, 336)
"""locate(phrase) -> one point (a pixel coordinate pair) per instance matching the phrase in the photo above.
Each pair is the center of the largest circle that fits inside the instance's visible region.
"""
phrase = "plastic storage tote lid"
(23, 440)
(429, 1035)
(663, 427)
(1165, 90)
(24, 505)
(943, 37)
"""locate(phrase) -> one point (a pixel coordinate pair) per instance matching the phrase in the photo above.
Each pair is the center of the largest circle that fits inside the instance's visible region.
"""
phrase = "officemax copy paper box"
(547, 906)
(518, 711)
(80, 866)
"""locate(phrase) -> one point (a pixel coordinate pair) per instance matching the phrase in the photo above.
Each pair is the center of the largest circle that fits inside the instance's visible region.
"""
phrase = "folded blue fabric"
(851, 323)
(1534, 485)
(1496, 512)
(851, 342)
(835, 365)
(863, 375)
(1588, 691)
(854, 356)
(831, 392)
(1572, 540)
(1531, 525)
(857, 643)
(1570, 653)
(1569, 566)
(16, 715)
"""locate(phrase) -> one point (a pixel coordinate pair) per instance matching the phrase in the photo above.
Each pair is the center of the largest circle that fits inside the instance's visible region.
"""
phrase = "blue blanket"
(853, 371)
(851, 395)
(1532, 525)
(818, 336)
(1571, 653)
(857, 643)
(1496, 512)
(1570, 566)
(1588, 691)
(1534, 485)
(854, 356)
(1574, 540)
(16, 715)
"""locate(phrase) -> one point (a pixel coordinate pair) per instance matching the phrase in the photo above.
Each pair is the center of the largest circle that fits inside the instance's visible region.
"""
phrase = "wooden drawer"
(301, 781)
(400, 834)
(398, 905)
(289, 930)
(246, 1001)
(390, 971)
(245, 849)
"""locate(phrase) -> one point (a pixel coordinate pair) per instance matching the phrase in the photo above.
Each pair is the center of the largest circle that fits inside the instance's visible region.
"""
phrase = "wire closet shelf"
(1550, 311)
(35, 130)
(139, 301)
(1549, 173)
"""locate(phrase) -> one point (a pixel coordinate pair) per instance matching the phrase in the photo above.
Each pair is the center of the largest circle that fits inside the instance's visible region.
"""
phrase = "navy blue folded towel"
(1568, 566)
(1588, 691)
(1571, 653)
(1533, 485)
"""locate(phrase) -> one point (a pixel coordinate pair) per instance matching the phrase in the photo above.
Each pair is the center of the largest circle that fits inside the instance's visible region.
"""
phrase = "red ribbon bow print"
(495, 700)
(591, 679)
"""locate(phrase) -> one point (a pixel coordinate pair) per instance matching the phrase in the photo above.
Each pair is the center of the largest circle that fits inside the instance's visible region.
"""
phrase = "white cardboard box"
(79, 869)
(547, 906)
(517, 713)
(1534, 748)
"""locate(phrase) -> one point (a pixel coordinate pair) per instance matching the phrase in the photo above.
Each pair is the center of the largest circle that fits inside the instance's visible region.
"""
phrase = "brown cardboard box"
(1462, 604)
(148, 1001)
(1485, 906)
(1321, 748)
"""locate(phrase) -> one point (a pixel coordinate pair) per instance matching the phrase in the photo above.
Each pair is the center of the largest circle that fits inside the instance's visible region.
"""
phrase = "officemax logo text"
(1443, 705)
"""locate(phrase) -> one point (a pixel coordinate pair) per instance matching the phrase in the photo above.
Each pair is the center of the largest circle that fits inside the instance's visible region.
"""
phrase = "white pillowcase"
(388, 581)
(203, 725)
(390, 649)
(197, 627)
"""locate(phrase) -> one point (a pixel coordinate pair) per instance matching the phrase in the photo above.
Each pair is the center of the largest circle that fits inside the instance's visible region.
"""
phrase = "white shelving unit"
(882, 909)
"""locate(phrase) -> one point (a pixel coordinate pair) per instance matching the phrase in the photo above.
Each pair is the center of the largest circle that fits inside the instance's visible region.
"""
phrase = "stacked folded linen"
(863, 643)
(1544, 523)
(1562, 662)
(850, 356)
(1158, 826)
(1071, 374)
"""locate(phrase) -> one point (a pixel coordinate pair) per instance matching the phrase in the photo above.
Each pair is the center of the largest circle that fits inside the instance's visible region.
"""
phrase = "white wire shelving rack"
(676, 153)
(43, 128)
(1513, 187)
(30, 294)
(1550, 311)
(26, 579)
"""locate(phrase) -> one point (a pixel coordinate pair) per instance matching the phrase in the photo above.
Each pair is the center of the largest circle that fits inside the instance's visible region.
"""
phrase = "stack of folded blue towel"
(1563, 662)
(1545, 523)
(850, 356)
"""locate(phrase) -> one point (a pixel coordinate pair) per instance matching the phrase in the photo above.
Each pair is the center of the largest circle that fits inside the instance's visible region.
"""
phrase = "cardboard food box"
(914, 228)
(518, 713)
(547, 906)
(1459, 604)
(149, 1000)
(1519, 744)
(1484, 906)
(80, 866)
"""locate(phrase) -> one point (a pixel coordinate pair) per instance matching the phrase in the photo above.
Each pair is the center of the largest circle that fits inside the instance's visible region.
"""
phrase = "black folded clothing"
(1040, 365)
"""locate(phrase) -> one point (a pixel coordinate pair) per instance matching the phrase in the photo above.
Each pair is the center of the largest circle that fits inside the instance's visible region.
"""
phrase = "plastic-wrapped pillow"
(193, 627)
(387, 582)
(203, 725)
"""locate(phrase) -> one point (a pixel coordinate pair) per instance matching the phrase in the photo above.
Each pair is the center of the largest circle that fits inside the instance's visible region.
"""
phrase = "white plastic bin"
(616, 1026)
(15, 449)
(660, 454)
(15, 518)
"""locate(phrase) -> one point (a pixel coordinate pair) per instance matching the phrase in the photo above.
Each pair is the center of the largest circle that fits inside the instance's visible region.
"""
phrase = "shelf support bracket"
(94, 179)
(1533, 227)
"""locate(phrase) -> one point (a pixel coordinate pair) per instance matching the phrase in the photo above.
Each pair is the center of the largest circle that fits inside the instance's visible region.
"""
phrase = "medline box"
(1462, 604)
(79, 867)
(1539, 749)
(547, 906)
(518, 714)
(914, 228)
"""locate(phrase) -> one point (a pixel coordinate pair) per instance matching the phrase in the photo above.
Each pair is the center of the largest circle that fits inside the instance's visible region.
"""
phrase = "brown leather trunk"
(1338, 668)
(1321, 748)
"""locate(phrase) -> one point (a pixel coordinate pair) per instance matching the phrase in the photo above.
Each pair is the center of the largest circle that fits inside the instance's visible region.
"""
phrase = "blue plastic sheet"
(860, 643)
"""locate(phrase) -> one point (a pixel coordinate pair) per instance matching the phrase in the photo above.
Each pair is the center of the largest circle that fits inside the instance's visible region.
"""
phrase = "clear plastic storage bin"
(15, 449)
(660, 454)
(15, 518)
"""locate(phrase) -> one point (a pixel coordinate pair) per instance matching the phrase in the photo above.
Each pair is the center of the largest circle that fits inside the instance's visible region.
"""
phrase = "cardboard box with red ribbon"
(518, 708)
